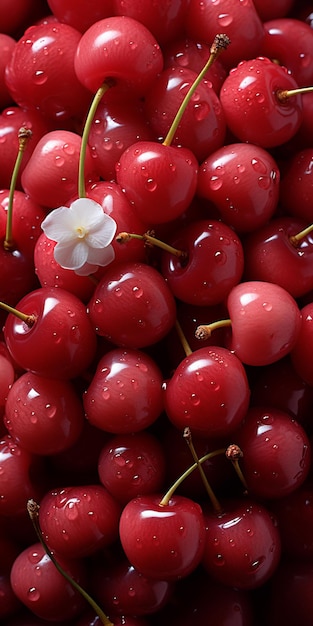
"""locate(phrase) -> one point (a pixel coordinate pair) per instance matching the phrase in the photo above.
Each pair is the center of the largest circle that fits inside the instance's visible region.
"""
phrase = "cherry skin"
(297, 185)
(7, 376)
(276, 452)
(163, 541)
(7, 45)
(26, 220)
(265, 322)
(112, 48)
(159, 180)
(269, 11)
(242, 180)
(41, 75)
(202, 128)
(242, 547)
(290, 41)
(208, 392)
(243, 26)
(130, 465)
(45, 416)
(48, 595)
(301, 352)
(132, 306)
(250, 100)
(73, 12)
(78, 521)
(214, 263)
(125, 394)
(166, 20)
(17, 274)
(60, 343)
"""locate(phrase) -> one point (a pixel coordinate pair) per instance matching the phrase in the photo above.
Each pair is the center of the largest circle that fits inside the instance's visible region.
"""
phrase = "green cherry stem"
(169, 494)
(213, 499)
(82, 157)
(149, 238)
(204, 331)
(284, 94)
(220, 43)
(296, 239)
(33, 512)
(182, 338)
(29, 319)
(24, 134)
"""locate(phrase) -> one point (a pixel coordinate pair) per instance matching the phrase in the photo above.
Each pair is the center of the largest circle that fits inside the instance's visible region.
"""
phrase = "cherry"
(296, 185)
(26, 220)
(165, 20)
(7, 45)
(300, 354)
(125, 591)
(41, 588)
(276, 452)
(78, 521)
(274, 254)
(7, 375)
(289, 41)
(208, 392)
(242, 180)
(290, 594)
(212, 266)
(41, 75)
(269, 11)
(163, 541)
(294, 514)
(265, 322)
(53, 165)
(112, 48)
(73, 12)
(17, 274)
(202, 128)
(13, 16)
(57, 322)
(131, 465)
(242, 547)
(132, 305)
(239, 21)
(45, 416)
(255, 105)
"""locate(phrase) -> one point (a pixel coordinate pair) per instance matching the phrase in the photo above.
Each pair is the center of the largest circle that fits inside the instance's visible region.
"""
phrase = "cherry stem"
(210, 455)
(234, 453)
(25, 317)
(284, 94)
(152, 240)
(182, 338)
(24, 134)
(213, 499)
(33, 512)
(220, 43)
(204, 331)
(82, 156)
(296, 239)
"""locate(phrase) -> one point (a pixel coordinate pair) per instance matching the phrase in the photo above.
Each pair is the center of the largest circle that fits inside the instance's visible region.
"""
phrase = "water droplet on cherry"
(215, 183)
(225, 19)
(33, 594)
(40, 77)
(150, 184)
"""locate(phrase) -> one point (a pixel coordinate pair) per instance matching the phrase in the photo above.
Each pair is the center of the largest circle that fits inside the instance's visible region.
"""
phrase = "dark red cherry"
(21, 473)
(294, 513)
(242, 547)
(132, 305)
(254, 108)
(113, 48)
(242, 180)
(212, 266)
(290, 599)
(297, 185)
(163, 541)
(7, 45)
(269, 11)
(59, 342)
(301, 353)
(125, 394)
(276, 452)
(208, 392)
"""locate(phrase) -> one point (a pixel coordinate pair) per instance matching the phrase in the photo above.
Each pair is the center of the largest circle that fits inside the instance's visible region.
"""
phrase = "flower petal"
(58, 224)
(71, 256)
(104, 234)
(86, 213)
(101, 256)
(86, 269)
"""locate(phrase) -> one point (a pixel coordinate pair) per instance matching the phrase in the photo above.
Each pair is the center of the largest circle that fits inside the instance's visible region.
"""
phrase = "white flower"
(83, 233)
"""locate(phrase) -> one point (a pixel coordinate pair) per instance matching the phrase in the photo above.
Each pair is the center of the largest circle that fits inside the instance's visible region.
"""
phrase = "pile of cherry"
(98, 385)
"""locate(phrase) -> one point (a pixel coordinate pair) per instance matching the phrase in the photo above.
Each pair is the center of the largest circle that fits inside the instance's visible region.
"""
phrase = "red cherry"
(242, 180)
(132, 306)
(21, 473)
(276, 452)
(7, 45)
(45, 416)
(78, 521)
(165, 20)
(269, 11)
(208, 392)
(73, 12)
(212, 266)
(254, 109)
(41, 75)
(290, 599)
(14, 15)
(265, 322)
(113, 48)
(301, 353)
(294, 513)
(290, 41)
(163, 541)
(26, 220)
(60, 343)
(297, 184)
(242, 547)
(159, 180)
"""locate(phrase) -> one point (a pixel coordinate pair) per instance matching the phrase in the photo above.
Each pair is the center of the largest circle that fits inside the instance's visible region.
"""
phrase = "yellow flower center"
(81, 232)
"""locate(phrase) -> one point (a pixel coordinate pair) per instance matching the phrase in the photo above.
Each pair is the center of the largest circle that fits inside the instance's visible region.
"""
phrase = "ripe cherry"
(301, 352)
(289, 41)
(21, 476)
